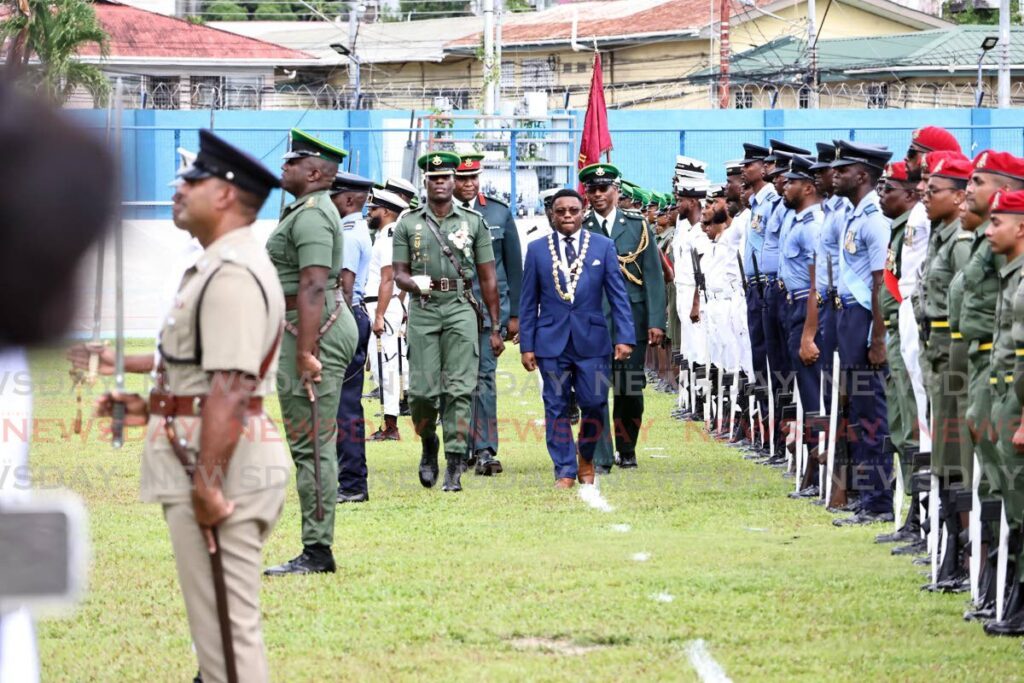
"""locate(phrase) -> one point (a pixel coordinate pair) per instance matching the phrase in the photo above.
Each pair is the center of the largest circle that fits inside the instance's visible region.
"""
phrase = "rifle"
(757, 277)
(743, 279)
(698, 274)
(831, 292)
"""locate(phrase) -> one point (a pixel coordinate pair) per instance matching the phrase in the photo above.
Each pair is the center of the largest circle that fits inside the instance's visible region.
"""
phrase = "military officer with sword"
(222, 493)
(319, 341)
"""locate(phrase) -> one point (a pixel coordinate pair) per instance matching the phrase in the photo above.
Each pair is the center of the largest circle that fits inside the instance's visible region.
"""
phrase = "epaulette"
(391, 231)
(496, 200)
(310, 203)
(632, 213)
(470, 210)
(870, 209)
(965, 236)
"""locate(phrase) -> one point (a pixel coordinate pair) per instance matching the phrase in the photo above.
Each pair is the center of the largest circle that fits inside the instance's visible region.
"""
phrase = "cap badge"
(983, 161)
(436, 161)
(916, 134)
(938, 166)
(600, 171)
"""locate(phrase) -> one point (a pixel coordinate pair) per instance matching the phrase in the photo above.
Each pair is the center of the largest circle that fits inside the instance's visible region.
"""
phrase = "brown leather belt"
(449, 284)
(170, 405)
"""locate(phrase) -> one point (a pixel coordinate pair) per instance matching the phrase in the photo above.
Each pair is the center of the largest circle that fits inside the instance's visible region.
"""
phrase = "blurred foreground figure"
(54, 203)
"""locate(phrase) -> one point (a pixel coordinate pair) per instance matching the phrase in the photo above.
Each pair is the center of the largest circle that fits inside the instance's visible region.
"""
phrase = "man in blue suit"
(563, 331)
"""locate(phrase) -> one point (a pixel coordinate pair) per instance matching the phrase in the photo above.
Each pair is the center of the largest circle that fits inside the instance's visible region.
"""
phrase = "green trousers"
(900, 403)
(981, 419)
(1010, 485)
(628, 382)
(948, 389)
(336, 350)
(444, 357)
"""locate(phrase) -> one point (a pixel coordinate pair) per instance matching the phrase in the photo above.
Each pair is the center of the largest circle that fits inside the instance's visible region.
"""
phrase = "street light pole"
(986, 45)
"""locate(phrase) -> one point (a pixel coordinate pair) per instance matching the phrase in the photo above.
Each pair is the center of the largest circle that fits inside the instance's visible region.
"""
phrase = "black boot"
(453, 475)
(951, 574)
(1012, 623)
(315, 559)
(986, 608)
(428, 461)
(486, 464)
(911, 529)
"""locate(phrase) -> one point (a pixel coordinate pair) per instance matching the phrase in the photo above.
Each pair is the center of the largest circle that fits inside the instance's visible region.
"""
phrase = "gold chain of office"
(574, 270)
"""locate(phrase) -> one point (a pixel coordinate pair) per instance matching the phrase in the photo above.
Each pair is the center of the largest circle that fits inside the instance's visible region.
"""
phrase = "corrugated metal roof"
(927, 51)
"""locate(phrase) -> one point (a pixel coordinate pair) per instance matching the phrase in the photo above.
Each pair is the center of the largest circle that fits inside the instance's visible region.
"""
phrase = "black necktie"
(570, 252)
(604, 225)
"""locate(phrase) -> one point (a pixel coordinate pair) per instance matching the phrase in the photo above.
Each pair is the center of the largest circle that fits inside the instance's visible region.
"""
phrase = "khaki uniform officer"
(212, 458)
(319, 341)
(439, 248)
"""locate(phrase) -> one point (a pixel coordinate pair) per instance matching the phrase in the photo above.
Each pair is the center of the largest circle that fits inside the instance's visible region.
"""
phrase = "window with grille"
(508, 74)
(743, 99)
(804, 98)
(206, 92)
(162, 92)
(878, 96)
(538, 73)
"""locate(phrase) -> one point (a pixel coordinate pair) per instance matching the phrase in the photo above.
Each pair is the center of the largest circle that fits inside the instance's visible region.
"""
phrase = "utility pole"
(723, 52)
(489, 72)
(497, 56)
(354, 66)
(812, 54)
(1004, 53)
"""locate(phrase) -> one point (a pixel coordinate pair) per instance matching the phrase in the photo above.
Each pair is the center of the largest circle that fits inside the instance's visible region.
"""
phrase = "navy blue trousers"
(351, 423)
(590, 378)
(869, 421)
(775, 346)
(808, 377)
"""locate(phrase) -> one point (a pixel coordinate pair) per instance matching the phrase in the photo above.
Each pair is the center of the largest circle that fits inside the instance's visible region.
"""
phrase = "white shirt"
(560, 243)
(380, 256)
(687, 237)
(608, 221)
(914, 249)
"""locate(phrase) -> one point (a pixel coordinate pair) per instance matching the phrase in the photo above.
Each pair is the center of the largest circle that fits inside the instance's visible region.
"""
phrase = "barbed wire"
(140, 94)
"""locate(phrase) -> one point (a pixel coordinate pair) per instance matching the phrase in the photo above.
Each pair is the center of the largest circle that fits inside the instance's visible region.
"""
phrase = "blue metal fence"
(645, 142)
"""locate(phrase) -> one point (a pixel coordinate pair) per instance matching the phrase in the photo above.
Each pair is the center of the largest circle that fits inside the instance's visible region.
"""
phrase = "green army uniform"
(917, 300)
(950, 441)
(309, 235)
(442, 332)
(672, 331)
(900, 403)
(640, 262)
(977, 321)
(1007, 362)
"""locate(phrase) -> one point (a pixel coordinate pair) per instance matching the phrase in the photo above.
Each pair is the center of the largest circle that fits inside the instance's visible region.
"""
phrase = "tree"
(433, 10)
(223, 10)
(54, 32)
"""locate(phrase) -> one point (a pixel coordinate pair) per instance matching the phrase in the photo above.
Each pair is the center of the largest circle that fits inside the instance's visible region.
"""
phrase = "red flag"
(596, 138)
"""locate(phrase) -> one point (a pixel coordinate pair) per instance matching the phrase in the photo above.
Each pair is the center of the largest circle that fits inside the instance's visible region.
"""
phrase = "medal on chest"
(890, 261)
(417, 241)
(755, 223)
(851, 242)
(908, 235)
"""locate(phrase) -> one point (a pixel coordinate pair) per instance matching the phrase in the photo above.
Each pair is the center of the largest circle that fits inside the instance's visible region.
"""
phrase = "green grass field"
(513, 580)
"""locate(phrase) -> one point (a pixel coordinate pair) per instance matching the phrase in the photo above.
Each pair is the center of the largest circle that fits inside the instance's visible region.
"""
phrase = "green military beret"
(305, 145)
(599, 174)
(439, 163)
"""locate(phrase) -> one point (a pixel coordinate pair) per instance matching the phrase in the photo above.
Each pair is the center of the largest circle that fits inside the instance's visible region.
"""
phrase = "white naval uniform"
(728, 341)
(692, 343)
(914, 251)
(380, 256)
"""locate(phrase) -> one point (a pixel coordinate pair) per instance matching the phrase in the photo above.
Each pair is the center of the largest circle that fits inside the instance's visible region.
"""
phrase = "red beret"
(933, 159)
(896, 170)
(1002, 163)
(953, 167)
(1008, 202)
(934, 139)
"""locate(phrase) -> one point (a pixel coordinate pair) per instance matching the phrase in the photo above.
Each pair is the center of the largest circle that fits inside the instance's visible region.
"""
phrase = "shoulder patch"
(496, 200)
